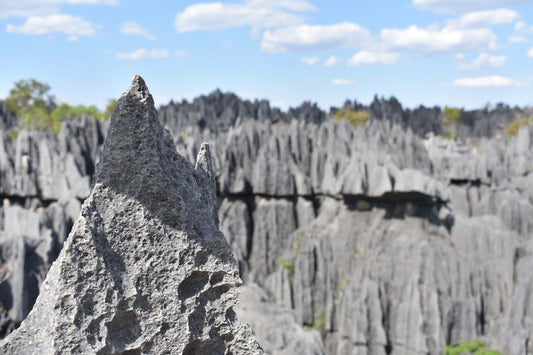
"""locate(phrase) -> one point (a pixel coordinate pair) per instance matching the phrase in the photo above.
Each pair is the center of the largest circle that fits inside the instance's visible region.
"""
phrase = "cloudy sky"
(463, 53)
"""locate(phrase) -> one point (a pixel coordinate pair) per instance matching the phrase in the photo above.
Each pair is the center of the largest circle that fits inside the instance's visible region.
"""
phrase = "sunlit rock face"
(145, 268)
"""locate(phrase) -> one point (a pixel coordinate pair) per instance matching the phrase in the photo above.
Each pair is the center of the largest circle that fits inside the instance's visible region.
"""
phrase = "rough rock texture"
(145, 268)
(276, 326)
(388, 239)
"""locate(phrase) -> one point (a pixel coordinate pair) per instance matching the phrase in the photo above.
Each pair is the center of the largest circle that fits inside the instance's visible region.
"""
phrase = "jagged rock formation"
(276, 326)
(386, 238)
(43, 180)
(145, 268)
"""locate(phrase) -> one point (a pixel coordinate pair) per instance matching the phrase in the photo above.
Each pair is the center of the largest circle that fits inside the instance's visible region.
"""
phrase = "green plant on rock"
(355, 118)
(320, 322)
(513, 127)
(342, 285)
(290, 267)
(475, 347)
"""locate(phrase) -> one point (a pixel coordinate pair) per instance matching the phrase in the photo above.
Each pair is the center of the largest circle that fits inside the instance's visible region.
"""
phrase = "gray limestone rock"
(277, 327)
(145, 268)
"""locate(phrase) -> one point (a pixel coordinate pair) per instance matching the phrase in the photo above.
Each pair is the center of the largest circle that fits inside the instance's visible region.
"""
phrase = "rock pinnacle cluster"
(145, 268)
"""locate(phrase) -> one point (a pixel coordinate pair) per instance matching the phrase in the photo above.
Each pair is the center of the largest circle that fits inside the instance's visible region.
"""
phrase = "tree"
(451, 118)
(452, 115)
(110, 107)
(28, 95)
(35, 108)
(355, 118)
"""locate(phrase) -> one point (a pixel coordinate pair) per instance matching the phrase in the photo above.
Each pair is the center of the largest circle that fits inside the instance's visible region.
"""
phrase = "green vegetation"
(28, 95)
(320, 321)
(513, 127)
(345, 281)
(290, 266)
(13, 134)
(355, 118)
(31, 102)
(111, 103)
(452, 115)
(183, 136)
(476, 347)
(451, 118)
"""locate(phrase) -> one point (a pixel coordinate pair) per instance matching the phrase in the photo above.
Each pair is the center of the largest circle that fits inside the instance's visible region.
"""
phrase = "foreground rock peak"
(145, 268)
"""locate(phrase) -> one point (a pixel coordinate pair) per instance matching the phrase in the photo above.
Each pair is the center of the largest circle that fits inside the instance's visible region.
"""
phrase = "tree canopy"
(35, 108)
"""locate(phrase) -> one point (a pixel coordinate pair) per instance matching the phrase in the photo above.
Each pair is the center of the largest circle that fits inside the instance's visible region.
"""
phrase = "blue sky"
(433, 52)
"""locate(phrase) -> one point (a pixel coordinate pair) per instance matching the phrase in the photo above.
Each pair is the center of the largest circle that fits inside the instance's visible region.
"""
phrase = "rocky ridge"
(145, 268)
(385, 239)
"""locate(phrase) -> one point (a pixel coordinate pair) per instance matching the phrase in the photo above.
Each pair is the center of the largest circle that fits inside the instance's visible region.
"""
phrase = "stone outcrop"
(276, 326)
(145, 268)
(385, 239)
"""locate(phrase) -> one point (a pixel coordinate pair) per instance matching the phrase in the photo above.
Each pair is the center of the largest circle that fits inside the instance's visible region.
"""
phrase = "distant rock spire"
(205, 176)
(145, 268)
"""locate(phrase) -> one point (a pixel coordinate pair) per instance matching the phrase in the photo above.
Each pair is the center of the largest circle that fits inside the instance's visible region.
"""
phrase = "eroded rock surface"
(145, 268)
(388, 239)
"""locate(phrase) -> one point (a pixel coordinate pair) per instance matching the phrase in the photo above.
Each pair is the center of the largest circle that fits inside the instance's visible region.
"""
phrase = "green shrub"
(513, 127)
(476, 347)
(290, 266)
(355, 118)
(39, 118)
(320, 321)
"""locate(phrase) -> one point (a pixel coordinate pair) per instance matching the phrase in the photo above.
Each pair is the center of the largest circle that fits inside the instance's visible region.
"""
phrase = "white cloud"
(462, 6)
(133, 28)
(485, 18)
(522, 28)
(26, 8)
(332, 60)
(433, 40)
(493, 81)
(484, 60)
(343, 82)
(310, 60)
(517, 39)
(519, 26)
(181, 53)
(530, 52)
(254, 13)
(308, 37)
(144, 53)
(60, 23)
(373, 58)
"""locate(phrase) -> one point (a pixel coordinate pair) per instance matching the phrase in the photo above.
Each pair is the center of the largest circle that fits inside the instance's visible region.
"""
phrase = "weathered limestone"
(145, 268)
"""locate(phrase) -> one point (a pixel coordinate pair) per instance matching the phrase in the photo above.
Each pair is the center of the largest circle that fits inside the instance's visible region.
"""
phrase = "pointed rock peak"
(204, 162)
(145, 268)
(138, 87)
